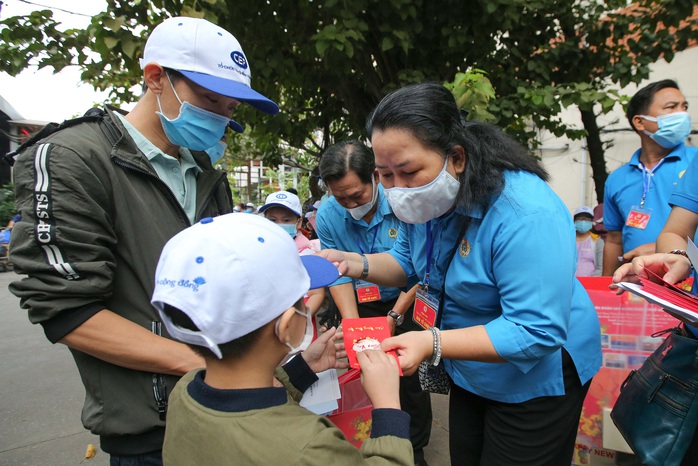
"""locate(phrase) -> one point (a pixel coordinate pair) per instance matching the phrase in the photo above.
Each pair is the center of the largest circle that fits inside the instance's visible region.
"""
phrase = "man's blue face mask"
(194, 128)
(217, 151)
(673, 129)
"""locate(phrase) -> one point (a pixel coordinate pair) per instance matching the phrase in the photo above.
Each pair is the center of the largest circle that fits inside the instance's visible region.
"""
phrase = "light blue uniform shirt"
(180, 177)
(686, 196)
(515, 276)
(337, 229)
(686, 193)
(624, 188)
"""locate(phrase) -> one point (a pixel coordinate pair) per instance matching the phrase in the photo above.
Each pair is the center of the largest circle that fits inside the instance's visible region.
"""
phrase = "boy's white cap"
(231, 275)
(283, 199)
(583, 210)
(208, 55)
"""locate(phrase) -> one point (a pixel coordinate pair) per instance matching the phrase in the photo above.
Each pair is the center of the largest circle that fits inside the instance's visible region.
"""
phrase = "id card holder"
(425, 309)
(367, 292)
(638, 217)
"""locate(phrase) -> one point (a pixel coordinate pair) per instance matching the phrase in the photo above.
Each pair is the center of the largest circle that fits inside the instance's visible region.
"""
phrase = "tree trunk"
(596, 152)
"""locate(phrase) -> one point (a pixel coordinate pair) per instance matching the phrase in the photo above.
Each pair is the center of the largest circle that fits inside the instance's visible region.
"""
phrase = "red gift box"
(353, 415)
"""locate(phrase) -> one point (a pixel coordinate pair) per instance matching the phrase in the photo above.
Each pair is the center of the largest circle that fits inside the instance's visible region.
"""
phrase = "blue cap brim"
(235, 126)
(321, 271)
(233, 89)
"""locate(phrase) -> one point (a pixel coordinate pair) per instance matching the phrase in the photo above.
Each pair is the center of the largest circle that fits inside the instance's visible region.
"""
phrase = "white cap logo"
(239, 59)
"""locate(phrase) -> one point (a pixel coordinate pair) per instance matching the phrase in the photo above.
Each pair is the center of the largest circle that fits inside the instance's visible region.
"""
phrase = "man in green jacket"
(99, 199)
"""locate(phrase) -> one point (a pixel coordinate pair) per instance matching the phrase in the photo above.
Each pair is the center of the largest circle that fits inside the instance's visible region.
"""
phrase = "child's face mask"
(289, 228)
(307, 336)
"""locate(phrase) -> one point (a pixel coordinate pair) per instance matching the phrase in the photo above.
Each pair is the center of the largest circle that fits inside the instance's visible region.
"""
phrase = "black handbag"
(657, 409)
(434, 379)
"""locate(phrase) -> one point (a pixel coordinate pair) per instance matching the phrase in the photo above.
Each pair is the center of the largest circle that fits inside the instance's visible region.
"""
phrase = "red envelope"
(365, 333)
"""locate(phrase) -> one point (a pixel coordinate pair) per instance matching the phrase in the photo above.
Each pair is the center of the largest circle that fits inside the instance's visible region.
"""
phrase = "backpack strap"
(92, 115)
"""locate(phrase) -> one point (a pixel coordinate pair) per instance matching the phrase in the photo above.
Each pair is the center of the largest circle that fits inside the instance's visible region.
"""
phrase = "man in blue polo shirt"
(636, 199)
(358, 218)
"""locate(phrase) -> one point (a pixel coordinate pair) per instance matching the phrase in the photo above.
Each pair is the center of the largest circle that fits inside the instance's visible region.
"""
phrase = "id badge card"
(638, 217)
(425, 309)
(367, 292)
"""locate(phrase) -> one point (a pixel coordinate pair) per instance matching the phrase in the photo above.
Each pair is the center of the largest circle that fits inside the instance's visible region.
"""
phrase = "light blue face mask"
(582, 226)
(674, 128)
(289, 228)
(194, 127)
(217, 151)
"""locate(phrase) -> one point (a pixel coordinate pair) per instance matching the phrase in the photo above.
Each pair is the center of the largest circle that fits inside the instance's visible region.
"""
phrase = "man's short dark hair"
(231, 350)
(346, 156)
(642, 100)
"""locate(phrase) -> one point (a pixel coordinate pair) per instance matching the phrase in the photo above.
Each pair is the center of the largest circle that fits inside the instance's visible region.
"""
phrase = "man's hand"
(673, 268)
(642, 250)
(339, 258)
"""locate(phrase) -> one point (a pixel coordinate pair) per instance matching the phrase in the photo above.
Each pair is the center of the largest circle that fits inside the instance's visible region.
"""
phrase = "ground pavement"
(41, 396)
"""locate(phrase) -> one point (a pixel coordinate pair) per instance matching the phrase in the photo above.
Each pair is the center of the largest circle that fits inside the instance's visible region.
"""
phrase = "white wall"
(569, 169)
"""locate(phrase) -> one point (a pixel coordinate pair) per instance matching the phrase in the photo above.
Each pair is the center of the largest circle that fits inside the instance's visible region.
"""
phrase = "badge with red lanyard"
(425, 305)
(366, 292)
(639, 216)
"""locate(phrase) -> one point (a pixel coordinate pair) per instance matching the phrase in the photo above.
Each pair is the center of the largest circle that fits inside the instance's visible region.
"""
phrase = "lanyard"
(647, 180)
(429, 251)
(430, 247)
(358, 240)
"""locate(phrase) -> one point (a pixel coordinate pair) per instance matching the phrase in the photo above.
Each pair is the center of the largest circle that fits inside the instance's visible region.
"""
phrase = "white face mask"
(359, 212)
(307, 336)
(424, 203)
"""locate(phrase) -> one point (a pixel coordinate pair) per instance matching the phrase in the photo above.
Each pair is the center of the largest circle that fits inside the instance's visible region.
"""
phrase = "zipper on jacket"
(222, 178)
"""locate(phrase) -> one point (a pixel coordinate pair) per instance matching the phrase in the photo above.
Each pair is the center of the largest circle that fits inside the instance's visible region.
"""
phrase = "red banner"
(627, 323)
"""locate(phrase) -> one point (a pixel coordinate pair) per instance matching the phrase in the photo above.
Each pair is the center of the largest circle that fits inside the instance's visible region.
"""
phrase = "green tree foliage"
(590, 48)
(328, 62)
(8, 208)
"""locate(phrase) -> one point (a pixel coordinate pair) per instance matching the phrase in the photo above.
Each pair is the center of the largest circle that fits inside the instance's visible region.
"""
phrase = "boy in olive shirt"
(232, 288)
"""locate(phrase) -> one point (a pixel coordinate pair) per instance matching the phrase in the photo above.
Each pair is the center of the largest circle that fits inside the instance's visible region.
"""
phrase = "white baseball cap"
(283, 199)
(208, 55)
(231, 275)
(584, 210)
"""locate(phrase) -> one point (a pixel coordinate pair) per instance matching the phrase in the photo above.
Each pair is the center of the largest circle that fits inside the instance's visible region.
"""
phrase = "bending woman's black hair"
(429, 112)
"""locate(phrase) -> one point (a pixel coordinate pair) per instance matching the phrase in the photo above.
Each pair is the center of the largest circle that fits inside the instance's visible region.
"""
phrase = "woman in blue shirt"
(495, 247)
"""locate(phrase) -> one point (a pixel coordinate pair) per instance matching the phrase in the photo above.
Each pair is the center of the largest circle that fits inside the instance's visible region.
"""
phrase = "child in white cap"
(589, 244)
(284, 209)
(232, 288)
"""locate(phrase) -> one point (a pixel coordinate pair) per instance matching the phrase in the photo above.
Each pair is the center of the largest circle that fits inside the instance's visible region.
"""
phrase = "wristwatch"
(398, 317)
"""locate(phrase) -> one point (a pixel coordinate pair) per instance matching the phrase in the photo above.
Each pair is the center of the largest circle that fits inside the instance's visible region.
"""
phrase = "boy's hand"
(380, 378)
(326, 352)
